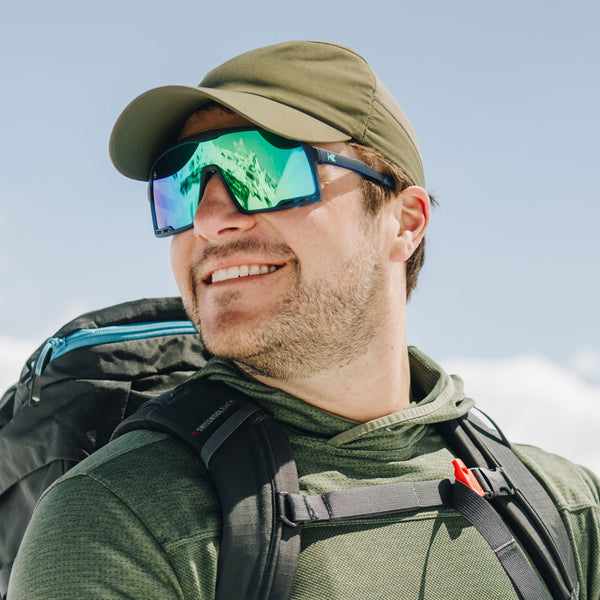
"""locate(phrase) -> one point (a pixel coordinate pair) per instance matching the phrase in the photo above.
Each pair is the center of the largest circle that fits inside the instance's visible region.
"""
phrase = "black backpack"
(98, 370)
(75, 389)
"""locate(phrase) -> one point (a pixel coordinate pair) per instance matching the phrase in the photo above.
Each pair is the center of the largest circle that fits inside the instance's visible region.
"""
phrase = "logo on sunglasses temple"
(331, 157)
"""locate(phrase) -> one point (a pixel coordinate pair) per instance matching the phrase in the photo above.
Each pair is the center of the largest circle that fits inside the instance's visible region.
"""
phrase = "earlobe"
(412, 208)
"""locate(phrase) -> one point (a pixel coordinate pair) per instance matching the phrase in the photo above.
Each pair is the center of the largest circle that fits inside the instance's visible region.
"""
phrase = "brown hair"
(376, 196)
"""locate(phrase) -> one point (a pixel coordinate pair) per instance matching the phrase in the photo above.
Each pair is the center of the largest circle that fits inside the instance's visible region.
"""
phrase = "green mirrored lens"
(262, 171)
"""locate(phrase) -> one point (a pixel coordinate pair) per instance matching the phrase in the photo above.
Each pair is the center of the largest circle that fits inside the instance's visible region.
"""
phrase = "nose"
(217, 217)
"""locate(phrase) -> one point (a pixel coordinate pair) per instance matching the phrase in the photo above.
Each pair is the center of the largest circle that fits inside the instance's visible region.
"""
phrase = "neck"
(372, 386)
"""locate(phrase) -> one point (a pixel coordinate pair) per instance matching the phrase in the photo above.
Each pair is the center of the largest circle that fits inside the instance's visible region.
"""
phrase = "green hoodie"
(139, 519)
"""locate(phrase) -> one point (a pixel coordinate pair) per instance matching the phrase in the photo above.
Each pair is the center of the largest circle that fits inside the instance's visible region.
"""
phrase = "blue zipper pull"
(41, 362)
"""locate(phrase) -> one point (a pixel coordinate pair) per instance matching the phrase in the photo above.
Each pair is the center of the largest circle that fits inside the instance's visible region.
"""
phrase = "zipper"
(57, 346)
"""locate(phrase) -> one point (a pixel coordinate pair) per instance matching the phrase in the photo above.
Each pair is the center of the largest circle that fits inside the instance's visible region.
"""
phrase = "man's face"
(288, 292)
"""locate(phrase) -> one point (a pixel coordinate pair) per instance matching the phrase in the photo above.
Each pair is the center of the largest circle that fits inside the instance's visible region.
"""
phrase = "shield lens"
(263, 172)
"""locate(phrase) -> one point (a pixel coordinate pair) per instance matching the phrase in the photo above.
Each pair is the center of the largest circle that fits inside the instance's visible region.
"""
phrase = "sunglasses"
(261, 171)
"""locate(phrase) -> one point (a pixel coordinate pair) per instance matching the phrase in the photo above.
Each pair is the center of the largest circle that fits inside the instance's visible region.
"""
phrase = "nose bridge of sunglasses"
(206, 176)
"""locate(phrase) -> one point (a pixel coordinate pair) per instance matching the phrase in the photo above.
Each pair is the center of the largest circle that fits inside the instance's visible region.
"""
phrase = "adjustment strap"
(404, 496)
(370, 501)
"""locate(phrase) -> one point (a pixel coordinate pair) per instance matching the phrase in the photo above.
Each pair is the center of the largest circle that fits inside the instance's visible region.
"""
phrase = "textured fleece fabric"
(139, 519)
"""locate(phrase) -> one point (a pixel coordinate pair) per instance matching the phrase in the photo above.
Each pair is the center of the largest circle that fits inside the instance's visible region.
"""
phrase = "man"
(297, 277)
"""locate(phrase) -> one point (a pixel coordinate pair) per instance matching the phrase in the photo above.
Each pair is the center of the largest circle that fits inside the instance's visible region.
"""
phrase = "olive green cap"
(308, 91)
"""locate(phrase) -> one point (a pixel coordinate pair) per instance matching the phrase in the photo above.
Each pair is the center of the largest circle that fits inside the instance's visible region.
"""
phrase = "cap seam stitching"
(372, 107)
(345, 48)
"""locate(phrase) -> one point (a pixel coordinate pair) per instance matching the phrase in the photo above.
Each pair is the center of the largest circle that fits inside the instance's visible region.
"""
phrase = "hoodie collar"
(437, 397)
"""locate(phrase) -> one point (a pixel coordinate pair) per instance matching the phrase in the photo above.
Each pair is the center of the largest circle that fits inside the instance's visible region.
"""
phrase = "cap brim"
(153, 121)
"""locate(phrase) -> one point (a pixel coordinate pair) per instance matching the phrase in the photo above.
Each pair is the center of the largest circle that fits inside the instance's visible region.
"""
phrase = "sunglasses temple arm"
(353, 164)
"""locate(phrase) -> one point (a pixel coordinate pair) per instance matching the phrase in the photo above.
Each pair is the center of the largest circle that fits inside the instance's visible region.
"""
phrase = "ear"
(412, 208)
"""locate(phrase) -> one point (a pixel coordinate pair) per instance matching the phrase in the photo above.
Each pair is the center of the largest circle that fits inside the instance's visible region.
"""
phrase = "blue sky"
(504, 99)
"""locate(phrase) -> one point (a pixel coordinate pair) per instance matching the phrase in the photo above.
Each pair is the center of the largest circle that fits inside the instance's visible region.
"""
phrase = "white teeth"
(241, 271)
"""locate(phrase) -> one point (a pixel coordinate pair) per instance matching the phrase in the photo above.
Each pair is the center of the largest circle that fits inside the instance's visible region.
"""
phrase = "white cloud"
(586, 362)
(536, 401)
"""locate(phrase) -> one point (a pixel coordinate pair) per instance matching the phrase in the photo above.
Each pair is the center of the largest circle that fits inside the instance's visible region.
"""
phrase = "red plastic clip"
(462, 474)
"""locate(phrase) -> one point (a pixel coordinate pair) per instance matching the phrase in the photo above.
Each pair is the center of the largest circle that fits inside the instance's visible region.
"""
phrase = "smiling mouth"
(240, 271)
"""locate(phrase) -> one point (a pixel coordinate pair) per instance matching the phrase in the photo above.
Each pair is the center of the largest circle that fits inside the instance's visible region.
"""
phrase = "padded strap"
(251, 463)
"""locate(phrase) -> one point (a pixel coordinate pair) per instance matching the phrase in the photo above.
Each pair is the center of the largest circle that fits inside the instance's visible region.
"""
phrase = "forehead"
(209, 118)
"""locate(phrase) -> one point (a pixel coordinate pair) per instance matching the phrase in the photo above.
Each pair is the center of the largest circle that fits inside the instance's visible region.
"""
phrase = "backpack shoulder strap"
(251, 463)
(528, 509)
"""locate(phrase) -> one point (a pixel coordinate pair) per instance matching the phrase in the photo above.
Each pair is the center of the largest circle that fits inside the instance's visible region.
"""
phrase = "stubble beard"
(320, 324)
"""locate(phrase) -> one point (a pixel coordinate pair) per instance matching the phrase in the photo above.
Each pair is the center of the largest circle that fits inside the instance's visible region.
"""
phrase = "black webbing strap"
(370, 501)
(378, 500)
(480, 513)
(251, 463)
(529, 510)
(4, 577)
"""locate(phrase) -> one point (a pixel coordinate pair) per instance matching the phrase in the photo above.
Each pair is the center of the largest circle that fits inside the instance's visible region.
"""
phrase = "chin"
(231, 338)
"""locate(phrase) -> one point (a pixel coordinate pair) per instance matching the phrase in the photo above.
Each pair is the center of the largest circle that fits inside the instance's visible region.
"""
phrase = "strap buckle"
(487, 483)
(286, 509)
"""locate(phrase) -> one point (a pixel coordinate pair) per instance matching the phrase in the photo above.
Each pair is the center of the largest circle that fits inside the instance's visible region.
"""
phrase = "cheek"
(325, 235)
